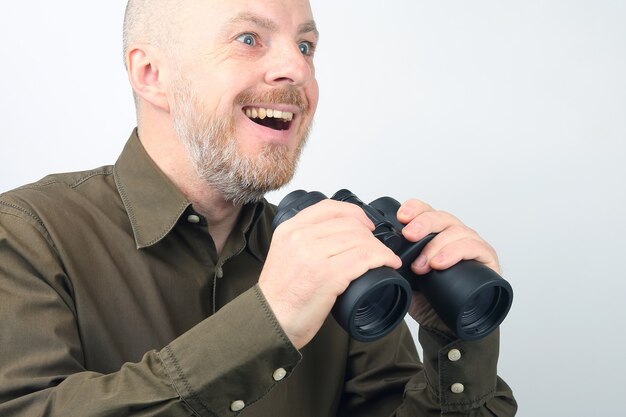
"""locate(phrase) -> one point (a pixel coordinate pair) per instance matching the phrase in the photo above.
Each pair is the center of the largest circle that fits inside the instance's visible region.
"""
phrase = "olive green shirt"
(114, 302)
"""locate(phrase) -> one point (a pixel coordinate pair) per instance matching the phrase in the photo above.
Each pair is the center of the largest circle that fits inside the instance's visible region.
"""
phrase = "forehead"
(280, 14)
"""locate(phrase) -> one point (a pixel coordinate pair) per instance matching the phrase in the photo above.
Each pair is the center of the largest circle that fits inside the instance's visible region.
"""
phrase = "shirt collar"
(259, 234)
(153, 203)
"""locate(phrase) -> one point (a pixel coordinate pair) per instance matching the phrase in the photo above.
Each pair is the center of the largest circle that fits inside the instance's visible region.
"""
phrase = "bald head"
(151, 22)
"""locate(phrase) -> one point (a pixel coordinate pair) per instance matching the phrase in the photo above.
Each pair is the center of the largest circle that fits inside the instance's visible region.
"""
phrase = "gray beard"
(214, 154)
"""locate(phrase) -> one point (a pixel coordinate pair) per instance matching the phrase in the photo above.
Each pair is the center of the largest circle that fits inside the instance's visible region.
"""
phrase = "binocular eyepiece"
(470, 298)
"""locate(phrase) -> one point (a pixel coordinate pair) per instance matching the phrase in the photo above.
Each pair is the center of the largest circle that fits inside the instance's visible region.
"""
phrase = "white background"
(509, 114)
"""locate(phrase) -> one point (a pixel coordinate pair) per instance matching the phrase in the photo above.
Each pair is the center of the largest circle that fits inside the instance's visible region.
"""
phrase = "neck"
(169, 154)
(221, 214)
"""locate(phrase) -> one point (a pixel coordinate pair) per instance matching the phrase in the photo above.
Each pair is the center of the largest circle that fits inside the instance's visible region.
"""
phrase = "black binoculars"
(470, 298)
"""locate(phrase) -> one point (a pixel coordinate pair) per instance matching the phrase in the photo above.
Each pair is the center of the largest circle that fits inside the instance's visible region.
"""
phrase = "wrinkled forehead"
(283, 14)
(204, 27)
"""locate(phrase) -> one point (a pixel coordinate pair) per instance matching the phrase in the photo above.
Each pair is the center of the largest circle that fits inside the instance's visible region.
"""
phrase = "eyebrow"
(309, 27)
(265, 23)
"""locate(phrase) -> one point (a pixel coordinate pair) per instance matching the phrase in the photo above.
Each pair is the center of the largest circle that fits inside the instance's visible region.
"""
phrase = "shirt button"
(457, 388)
(454, 355)
(279, 374)
(237, 405)
(193, 218)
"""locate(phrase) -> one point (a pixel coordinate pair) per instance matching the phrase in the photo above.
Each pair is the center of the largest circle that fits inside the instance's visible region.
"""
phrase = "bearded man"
(157, 287)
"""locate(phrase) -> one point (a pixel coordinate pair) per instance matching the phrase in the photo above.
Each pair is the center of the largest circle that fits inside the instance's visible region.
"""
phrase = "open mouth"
(273, 119)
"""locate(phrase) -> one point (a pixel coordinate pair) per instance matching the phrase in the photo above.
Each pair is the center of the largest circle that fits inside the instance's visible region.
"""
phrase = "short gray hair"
(151, 22)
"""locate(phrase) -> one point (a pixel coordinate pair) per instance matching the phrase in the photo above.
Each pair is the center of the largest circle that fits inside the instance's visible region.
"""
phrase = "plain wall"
(509, 114)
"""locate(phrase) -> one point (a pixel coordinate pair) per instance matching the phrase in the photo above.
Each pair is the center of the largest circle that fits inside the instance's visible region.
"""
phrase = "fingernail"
(421, 261)
(407, 212)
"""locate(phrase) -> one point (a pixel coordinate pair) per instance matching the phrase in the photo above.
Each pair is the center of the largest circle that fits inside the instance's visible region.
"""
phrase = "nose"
(288, 66)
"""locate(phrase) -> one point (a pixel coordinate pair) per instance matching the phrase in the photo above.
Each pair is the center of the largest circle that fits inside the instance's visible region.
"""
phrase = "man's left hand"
(454, 242)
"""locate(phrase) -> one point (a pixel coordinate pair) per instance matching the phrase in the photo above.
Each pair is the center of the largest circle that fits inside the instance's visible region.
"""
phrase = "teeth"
(262, 113)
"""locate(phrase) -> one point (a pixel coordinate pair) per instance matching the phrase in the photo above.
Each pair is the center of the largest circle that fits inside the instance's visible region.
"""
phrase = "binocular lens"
(379, 311)
(484, 311)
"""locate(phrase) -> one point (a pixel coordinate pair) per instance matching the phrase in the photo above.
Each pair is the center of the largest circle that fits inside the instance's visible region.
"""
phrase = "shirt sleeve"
(457, 378)
(42, 368)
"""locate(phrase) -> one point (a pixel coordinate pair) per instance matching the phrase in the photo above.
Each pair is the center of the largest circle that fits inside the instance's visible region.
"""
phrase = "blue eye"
(306, 48)
(247, 38)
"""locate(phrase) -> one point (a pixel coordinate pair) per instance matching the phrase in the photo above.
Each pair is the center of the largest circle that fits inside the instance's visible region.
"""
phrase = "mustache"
(280, 95)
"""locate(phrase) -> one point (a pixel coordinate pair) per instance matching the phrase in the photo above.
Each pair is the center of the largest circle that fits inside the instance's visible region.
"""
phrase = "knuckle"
(354, 223)
(449, 217)
(362, 252)
(445, 213)
(326, 205)
(418, 204)
(282, 233)
(427, 218)
(294, 235)
(491, 250)
(456, 229)
(467, 241)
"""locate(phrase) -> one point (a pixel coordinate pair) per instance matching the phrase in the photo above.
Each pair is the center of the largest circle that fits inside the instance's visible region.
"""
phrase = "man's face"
(244, 92)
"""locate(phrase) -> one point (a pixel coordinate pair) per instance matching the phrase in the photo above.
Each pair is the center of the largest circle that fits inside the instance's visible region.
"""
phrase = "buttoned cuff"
(461, 375)
(232, 359)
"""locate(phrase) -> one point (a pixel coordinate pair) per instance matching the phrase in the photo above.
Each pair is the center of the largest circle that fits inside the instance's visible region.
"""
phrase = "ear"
(146, 75)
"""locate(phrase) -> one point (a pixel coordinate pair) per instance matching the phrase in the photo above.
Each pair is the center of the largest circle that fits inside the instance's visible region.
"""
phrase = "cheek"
(313, 94)
(218, 89)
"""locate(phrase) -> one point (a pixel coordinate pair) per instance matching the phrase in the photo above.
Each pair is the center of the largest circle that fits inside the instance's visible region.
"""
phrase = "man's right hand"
(313, 258)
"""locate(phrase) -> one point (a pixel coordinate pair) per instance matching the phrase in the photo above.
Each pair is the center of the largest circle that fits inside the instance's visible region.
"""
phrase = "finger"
(410, 209)
(361, 258)
(334, 241)
(348, 260)
(429, 222)
(448, 235)
(330, 209)
(453, 233)
(464, 249)
(327, 228)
